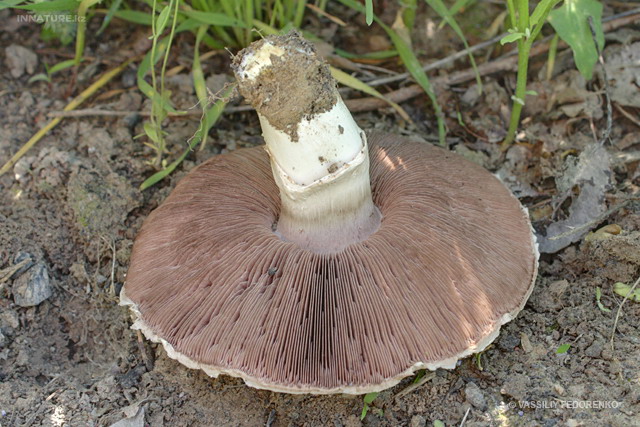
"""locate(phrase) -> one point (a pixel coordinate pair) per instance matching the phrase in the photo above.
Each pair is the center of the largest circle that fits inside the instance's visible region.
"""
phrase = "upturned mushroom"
(331, 260)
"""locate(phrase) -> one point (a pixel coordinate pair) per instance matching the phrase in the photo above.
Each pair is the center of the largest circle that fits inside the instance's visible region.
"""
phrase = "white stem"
(319, 155)
(326, 143)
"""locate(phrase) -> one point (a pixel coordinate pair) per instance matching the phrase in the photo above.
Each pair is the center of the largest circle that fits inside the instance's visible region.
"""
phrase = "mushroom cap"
(453, 260)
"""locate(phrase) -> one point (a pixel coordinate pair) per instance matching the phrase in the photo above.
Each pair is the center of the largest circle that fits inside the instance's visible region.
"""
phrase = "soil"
(291, 66)
(72, 204)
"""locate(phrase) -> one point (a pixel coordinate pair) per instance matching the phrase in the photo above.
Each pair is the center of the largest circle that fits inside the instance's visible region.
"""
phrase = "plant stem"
(524, 47)
(521, 91)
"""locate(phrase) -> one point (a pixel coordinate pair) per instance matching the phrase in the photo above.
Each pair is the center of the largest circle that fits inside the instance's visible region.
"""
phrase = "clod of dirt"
(33, 287)
(296, 69)
(100, 203)
(20, 60)
(474, 396)
(616, 258)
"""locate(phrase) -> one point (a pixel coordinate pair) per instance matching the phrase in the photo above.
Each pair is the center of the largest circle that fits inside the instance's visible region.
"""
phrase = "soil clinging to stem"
(298, 70)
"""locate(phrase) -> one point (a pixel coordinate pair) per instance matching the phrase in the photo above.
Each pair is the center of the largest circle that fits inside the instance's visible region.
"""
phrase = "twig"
(439, 63)
(272, 415)
(627, 114)
(109, 113)
(466, 414)
(413, 387)
(607, 132)
(615, 322)
(6, 273)
(505, 63)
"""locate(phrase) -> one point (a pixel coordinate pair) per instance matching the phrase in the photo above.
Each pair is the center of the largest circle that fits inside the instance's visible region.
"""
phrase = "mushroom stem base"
(331, 213)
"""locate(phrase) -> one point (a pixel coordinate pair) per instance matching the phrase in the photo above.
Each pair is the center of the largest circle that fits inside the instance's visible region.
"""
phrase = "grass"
(219, 24)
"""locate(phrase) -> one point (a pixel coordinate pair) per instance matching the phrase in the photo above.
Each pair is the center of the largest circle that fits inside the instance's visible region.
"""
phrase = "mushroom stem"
(319, 155)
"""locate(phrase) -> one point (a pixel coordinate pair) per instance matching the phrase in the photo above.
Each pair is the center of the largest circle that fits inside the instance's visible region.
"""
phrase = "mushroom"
(334, 261)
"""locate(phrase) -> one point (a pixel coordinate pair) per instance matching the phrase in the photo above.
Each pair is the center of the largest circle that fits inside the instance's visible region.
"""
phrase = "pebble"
(474, 396)
(33, 287)
(19, 60)
(594, 350)
(418, 421)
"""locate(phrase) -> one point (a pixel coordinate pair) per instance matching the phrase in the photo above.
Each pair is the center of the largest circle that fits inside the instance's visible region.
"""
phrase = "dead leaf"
(623, 72)
(591, 173)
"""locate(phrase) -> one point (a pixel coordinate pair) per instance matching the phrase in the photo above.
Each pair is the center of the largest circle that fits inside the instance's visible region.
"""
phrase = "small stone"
(22, 359)
(594, 350)
(418, 421)
(33, 287)
(474, 396)
(20, 60)
(508, 342)
(525, 343)
(559, 389)
(9, 321)
(3, 340)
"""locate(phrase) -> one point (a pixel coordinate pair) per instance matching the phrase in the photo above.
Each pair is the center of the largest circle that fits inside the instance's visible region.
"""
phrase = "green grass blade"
(9, 3)
(110, 14)
(411, 63)
(299, 15)
(444, 13)
(49, 6)
(217, 19)
(144, 68)
(198, 80)
(61, 66)
(350, 81)
(368, 11)
(381, 54)
(82, 27)
(212, 115)
(133, 16)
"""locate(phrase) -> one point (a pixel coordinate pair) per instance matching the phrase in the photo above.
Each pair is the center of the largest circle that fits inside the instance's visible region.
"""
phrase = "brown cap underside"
(453, 255)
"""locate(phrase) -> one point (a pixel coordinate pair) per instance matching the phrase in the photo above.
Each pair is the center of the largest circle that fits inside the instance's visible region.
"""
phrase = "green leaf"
(370, 397)
(151, 132)
(39, 78)
(218, 19)
(380, 54)
(571, 23)
(627, 291)
(162, 20)
(365, 409)
(354, 83)
(188, 25)
(9, 3)
(134, 16)
(541, 11)
(563, 349)
(61, 66)
(438, 423)
(50, 6)
(368, 13)
(600, 305)
(510, 38)
(115, 5)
